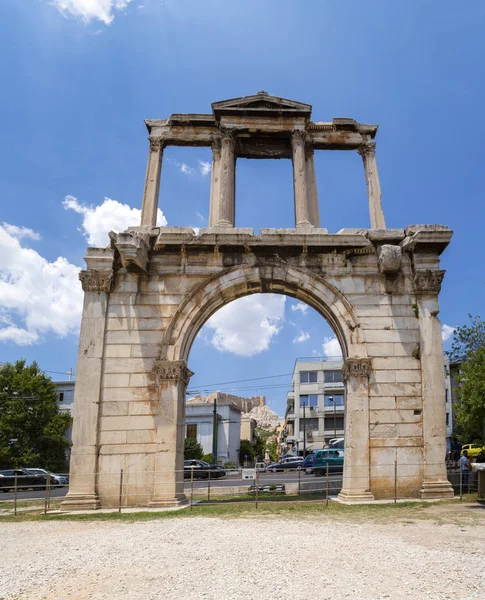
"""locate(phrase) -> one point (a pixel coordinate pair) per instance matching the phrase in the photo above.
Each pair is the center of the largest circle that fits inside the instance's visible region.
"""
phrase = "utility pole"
(70, 374)
(304, 429)
(215, 425)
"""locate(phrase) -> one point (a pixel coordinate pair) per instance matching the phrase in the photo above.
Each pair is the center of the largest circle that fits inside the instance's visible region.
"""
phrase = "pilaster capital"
(228, 133)
(366, 149)
(96, 281)
(298, 136)
(427, 281)
(356, 368)
(156, 143)
(173, 370)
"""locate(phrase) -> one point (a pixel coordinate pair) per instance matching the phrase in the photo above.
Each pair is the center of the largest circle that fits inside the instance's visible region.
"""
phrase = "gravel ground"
(247, 557)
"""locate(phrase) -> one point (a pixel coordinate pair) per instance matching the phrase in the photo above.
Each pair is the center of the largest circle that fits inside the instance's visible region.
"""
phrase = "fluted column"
(427, 284)
(224, 206)
(356, 479)
(152, 183)
(368, 153)
(300, 180)
(312, 187)
(168, 485)
(215, 181)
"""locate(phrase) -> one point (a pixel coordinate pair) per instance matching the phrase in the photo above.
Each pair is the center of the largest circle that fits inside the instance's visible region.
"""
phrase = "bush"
(246, 450)
(193, 450)
(230, 465)
(207, 458)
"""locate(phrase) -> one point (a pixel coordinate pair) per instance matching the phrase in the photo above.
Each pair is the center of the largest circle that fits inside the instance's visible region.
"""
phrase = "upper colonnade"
(260, 126)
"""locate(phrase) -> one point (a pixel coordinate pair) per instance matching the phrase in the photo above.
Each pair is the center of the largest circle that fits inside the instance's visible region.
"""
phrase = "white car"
(58, 479)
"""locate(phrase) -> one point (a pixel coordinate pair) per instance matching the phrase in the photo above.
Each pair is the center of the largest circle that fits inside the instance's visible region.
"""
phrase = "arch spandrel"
(300, 283)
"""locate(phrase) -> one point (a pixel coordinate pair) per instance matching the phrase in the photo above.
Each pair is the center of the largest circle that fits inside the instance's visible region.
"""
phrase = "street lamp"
(332, 399)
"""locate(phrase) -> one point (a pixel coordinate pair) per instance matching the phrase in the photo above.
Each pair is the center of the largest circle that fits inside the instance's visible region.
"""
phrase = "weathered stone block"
(114, 409)
(127, 423)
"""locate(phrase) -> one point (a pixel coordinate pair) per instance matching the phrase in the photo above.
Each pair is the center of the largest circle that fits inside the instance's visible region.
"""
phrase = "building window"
(310, 424)
(331, 425)
(309, 400)
(308, 376)
(192, 431)
(61, 396)
(331, 399)
(447, 419)
(332, 376)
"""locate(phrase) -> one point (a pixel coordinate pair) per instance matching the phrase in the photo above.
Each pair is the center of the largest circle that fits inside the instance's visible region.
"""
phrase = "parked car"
(287, 464)
(58, 480)
(24, 479)
(337, 443)
(307, 465)
(472, 449)
(201, 470)
(331, 457)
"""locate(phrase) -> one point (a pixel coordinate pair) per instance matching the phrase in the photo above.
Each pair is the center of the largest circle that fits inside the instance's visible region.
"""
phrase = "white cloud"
(186, 169)
(87, 10)
(303, 337)
(111, 215)
(205, 167)
(37, 297)
(247, 326)
(200, 216)
(331, 347)
(303, 308)
(20, 232)
(447, 332)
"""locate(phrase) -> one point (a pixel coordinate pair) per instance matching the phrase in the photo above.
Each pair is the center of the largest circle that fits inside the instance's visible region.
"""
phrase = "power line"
(243, 380)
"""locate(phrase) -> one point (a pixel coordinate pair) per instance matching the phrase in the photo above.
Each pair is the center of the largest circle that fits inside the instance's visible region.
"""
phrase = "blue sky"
(79, 78)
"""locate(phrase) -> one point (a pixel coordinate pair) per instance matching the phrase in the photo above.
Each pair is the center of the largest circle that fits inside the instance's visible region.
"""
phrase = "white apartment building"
(315, 408)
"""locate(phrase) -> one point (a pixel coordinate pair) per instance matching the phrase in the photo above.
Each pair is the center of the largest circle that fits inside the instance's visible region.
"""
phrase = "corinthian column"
(215, 181)
(224, 206)
(427, 285)
(368, 153)
(356, 479)
(152, 183)
(312, 187)
(97, 284)
(168, 486)
(300, 180)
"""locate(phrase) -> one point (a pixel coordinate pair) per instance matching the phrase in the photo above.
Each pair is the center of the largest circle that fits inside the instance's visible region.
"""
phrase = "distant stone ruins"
(148, 294)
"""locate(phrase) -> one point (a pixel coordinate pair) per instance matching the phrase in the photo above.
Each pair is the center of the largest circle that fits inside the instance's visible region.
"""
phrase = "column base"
(436, 491)
(80, 502)
(355, 497)
(168, 501)
(306, 224)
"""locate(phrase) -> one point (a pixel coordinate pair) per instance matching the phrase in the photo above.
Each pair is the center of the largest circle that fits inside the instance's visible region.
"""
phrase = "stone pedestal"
(152, 183)
(356, 479)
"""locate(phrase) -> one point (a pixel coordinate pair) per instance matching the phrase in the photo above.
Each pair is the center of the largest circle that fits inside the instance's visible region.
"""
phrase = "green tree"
(246, 450)
(468, 346)
(31, 427)
(193, 450)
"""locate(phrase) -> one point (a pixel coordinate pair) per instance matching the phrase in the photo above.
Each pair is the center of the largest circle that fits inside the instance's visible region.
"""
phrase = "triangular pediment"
(259, 103)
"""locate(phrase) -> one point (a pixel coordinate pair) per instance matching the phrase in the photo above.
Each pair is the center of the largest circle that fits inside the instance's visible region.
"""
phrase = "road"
(228, 480)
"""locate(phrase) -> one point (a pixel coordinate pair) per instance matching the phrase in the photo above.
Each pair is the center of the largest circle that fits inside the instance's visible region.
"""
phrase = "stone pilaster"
(152, 183)
(225, 205)
(356, 479)
(215, 181)
(368, 153)
(97, 283)
(168, 489)
(427, 284)
(300, 180)
(312, 187)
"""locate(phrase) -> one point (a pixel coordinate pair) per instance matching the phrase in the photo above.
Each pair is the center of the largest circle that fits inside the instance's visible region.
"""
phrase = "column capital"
(367, 148)
(228, 133)
(298, 135)
(156, 143)
(93, 280)
(356, 368)
(427, 281)
(173, 370)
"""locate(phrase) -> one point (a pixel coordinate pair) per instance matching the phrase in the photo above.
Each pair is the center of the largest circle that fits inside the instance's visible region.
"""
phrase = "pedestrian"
(456, 449)
(481, 456)
(465, 468)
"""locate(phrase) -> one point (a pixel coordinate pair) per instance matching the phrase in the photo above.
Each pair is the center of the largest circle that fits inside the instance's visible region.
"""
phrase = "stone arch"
(224, 287)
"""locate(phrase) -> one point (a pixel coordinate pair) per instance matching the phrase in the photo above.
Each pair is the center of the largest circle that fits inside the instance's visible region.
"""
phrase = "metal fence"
(135, 489)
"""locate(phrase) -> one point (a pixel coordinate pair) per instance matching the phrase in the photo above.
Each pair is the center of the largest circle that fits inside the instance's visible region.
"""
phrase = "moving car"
(59, 480)
(287, 464)
(23, 479)
(201, 470)
(307, 465)
(472, 449)
(331, 457)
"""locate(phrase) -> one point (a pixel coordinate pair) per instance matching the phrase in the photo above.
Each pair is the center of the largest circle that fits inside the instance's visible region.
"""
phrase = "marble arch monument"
(150, 291)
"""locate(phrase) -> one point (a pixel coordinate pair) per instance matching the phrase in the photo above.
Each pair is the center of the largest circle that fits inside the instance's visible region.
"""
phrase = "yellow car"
(472, 449)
